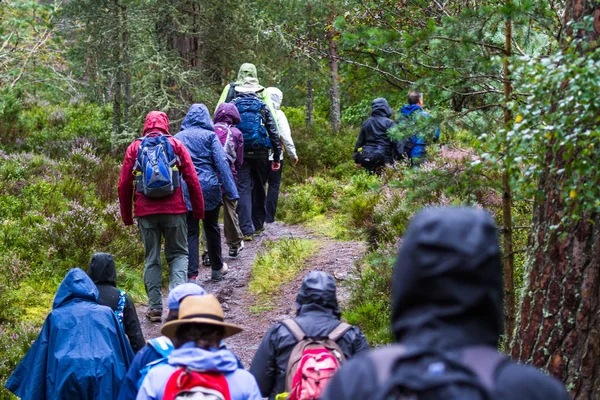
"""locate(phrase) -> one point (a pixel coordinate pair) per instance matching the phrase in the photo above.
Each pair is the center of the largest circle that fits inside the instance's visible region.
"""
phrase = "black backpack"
(231, 94)
(405, 374)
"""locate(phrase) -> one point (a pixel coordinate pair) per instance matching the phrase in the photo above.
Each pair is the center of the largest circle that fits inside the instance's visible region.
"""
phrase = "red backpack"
(313, 362)
(187, 383)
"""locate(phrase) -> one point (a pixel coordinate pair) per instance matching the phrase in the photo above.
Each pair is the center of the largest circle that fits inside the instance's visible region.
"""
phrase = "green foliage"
(15, 340)
(277, 263)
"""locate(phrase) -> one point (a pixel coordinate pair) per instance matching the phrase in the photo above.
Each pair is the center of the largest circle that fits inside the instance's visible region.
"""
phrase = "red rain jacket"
(158, 122)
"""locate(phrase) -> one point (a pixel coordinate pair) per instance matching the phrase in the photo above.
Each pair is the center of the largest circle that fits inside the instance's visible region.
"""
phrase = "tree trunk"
(333, 55)
(126, 67)
(117, 92)
(309, 102)
(507, 235)
(559, 320)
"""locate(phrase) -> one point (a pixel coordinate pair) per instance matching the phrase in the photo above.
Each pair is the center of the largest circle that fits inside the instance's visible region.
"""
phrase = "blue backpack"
(121, 307)
(252, 124)
(155, 170)
(164, 347)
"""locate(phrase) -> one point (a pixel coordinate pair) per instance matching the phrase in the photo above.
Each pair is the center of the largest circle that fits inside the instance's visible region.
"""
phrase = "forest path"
(335, 257)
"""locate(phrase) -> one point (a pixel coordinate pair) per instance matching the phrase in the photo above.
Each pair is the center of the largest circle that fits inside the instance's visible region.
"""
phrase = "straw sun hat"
(200, 310)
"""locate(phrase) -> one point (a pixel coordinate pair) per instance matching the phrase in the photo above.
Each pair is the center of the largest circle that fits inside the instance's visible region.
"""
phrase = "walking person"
(317, 317)
(257, 125)
(411, 113)
(285, 134)
(447, 316)
(374, 148)
(158, 160)
(81, 352)
(103, 273)
(198, 136)
(225, 119)
(198, 364)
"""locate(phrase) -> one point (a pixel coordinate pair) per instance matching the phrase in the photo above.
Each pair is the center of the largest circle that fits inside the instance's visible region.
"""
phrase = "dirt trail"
(334, 257)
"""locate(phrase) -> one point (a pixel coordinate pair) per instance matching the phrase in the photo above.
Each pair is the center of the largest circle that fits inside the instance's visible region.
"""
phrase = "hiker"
(285, 134)
(197, 335)
(103, 273)
(374, 148)
(447, 316)
(159, 204)
(229, 93)
(257, 125)
(232, 140)
(158, 349)
(198, 136)
(318, 317)
(417, 146)
(81, 352)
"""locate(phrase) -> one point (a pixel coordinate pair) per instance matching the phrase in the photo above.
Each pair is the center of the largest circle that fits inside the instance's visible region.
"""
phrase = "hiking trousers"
(212, 232)
(231, 224)
(252, 179)
(173, 228)
(273, 193)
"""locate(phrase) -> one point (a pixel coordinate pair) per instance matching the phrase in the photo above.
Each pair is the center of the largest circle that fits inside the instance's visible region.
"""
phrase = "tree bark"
(117, 92)
(558, 326)
(126, 67)
(507, 235)
(335, 114)
(309, 102)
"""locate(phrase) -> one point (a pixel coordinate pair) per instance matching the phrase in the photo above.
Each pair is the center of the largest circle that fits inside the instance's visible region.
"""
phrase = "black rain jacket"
(373, 133)
(318, 314)
(104, 274)
(447, 294)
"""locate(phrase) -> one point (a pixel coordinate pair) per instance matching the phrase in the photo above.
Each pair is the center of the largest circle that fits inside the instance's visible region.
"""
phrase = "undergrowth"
(277, 263)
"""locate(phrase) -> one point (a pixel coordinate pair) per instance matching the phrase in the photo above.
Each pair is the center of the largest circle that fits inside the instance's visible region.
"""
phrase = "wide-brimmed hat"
(200, 310)
(250, 85)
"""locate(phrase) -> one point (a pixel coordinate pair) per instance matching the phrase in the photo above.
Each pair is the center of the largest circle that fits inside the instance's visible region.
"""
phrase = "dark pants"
(210, 224)
(252, 178)
(273, 193)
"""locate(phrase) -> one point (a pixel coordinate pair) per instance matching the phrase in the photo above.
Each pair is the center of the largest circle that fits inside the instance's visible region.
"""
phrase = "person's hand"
(275, 166)
(357, 165)
(296, 160)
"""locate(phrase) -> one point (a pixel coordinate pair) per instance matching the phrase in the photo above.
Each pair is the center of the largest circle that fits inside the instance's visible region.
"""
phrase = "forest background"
(514, 86)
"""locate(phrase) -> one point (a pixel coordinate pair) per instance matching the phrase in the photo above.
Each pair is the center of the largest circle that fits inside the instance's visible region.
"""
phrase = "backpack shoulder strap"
(162, 345)
(339, 331)
(384, 359)
(294, 329)
(484, 361)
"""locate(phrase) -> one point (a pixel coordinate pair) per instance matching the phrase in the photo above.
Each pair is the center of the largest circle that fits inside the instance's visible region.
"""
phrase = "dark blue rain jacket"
(198, 135)
(81, 353)
(420, 143)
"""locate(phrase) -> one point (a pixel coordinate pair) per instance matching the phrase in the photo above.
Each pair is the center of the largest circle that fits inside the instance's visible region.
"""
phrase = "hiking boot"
(218, 274)
(205, 259)
(154, 315)
(234, 252)
(248, 238)
(259, 231)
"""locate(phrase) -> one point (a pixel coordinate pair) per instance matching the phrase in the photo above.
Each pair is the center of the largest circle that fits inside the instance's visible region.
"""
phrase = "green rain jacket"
(249, 70)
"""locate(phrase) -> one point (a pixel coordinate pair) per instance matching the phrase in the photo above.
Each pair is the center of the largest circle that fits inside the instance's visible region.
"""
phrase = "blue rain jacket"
(198, 135)
(419, 150)
(82, 352)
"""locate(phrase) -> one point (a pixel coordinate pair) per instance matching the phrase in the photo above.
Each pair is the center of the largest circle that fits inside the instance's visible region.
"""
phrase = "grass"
(277, 263)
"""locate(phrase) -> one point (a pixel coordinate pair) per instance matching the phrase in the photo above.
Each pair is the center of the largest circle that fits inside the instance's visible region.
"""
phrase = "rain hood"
(318, 290)
(102, 269)
(381, 108)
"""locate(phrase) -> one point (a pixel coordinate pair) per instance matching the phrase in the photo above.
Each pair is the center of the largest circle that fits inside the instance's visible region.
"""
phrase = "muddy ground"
(337, 258)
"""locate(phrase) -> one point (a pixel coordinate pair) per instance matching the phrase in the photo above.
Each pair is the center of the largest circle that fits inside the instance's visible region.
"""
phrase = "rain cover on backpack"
(187, 383)
(251, 123)
(228, 145)
(313, 362)
(155, 170)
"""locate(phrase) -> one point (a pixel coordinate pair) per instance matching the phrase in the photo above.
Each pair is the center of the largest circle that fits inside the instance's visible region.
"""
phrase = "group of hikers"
(176, 181)
(447, 319)
(447, 290)
(377, 147)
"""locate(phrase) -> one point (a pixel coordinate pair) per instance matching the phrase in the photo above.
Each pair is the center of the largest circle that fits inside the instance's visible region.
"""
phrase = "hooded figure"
(198, 136)
(104, 274)
(163, 217)
(246, 70)
(285, 134)
(81, 353)
(318, 314)
(374, 148)
(448, 295)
